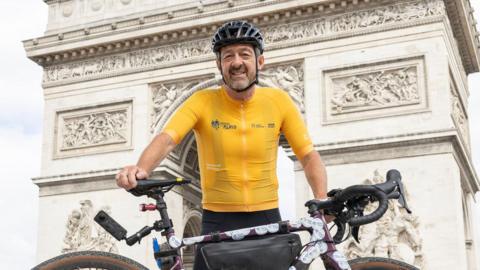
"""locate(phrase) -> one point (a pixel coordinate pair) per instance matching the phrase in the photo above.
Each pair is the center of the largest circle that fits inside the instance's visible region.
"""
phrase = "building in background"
(381, 84)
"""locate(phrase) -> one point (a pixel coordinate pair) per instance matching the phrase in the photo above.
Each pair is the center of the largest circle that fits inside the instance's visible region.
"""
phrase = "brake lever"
(355, 232)
(401, 199)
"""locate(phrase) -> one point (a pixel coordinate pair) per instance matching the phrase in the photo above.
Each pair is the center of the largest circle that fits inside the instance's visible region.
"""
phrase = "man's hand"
(128, 176)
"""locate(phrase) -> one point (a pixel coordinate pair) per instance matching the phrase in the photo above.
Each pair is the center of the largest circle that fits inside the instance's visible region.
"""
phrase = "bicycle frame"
(321, 242)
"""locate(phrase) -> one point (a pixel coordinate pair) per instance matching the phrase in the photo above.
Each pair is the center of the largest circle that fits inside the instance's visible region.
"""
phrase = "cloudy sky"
(21, 107)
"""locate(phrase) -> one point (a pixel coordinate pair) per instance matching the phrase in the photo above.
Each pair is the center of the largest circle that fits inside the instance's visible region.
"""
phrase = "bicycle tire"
(90, 260)
(378, 263)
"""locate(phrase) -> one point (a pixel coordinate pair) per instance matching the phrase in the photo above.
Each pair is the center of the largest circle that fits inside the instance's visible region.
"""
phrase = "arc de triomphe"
(381, 84)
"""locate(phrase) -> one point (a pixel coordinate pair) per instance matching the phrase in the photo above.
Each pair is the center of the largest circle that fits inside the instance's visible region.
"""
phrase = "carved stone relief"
(353, 21)
(459, 116)
(384, 88)
(374, 89)
(83, 233)
(96, 5)
(164, 94)
(396, 235)
(197, 50)
(92, 129)
(287, 77)
(67, 8)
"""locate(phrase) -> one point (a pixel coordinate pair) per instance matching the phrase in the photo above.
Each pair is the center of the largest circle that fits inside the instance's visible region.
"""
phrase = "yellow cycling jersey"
(237, 144)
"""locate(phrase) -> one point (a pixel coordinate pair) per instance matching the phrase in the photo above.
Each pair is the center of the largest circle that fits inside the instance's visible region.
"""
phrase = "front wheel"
(90, 260)
(377, 263)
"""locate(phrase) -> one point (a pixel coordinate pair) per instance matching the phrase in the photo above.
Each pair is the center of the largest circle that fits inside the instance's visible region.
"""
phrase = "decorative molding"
(93, 129)
(463, 24)
(385, 88)
(396, 235)
(164, 95)
(82, 233)
(459, 116)
(374, 90)
(288, 77)
(281, 35)
(353, 21)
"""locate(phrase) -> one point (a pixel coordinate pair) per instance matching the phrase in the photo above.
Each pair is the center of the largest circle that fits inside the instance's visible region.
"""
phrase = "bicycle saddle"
(148, 186)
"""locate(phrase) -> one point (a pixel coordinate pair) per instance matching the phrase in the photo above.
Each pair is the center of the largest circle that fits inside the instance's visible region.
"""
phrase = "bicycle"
(346, 205)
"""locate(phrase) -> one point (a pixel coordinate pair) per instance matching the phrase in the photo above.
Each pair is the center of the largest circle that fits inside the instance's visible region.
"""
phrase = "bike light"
(147, 207)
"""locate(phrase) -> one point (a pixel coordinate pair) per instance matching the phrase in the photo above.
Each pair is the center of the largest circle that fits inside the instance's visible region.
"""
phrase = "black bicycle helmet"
(235, 32)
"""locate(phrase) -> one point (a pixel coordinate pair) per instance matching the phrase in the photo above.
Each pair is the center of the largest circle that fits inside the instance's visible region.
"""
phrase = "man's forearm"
(316, 174)
(155, 152)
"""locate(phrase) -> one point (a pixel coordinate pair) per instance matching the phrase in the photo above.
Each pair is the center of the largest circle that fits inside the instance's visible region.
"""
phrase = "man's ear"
(219, 66)
(261, 62)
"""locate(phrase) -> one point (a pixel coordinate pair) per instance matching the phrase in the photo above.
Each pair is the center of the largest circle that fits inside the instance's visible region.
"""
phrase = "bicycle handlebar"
(353, 196)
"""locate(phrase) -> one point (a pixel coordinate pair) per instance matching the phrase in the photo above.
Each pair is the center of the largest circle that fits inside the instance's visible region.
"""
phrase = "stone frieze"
(164, 95)
(374, 90)
(85, 130)
(191, 51)
(384, 88)
(354, 21)
(94, 129)
(459, 116)
(288, 77)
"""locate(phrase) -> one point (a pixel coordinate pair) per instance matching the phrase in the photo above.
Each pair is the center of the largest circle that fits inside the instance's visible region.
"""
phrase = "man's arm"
(315, 173)
(155, 152)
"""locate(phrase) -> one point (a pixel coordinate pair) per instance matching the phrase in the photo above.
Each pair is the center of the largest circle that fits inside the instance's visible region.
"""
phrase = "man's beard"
(240, 84)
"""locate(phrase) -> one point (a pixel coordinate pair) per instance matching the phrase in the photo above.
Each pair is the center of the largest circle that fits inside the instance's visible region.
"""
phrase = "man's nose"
(237, 60)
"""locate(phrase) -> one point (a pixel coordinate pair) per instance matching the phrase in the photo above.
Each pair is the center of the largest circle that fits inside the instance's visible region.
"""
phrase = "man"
(237, 128)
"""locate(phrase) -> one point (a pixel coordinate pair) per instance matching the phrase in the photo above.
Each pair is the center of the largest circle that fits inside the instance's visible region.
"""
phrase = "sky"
(21, 117)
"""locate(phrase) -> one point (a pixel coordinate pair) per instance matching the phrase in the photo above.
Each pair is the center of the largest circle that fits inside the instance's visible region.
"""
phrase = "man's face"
(237, 63)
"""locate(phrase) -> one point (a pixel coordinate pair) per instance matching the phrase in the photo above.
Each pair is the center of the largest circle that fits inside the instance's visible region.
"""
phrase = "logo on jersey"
(215, 124)
(260, 125)
(225, 125)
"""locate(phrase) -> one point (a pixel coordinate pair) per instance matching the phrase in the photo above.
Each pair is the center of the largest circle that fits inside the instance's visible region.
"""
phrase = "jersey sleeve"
(294, 129)
(185, 118)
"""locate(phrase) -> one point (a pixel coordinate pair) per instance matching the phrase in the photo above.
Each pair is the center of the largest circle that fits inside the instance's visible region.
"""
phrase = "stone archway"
(192, 228)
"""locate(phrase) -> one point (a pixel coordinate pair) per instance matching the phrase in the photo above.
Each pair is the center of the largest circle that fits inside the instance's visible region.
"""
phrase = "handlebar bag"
(271, 252)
